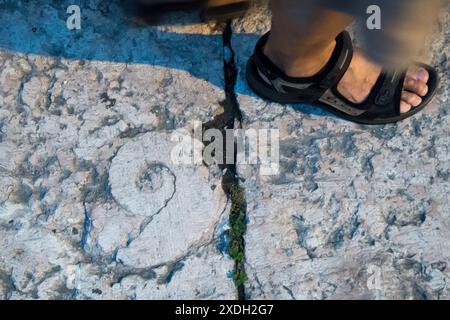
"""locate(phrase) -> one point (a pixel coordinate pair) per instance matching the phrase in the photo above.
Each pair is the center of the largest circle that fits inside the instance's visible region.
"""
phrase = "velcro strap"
(264, 64)
(307, 89)
(390, 86)
(340, 62)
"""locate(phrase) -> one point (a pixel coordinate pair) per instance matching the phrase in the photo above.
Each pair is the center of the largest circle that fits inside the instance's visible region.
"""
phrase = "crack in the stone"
(48, 103)
(149, 272)
(289, 291)
(87, 225)
(230, 178)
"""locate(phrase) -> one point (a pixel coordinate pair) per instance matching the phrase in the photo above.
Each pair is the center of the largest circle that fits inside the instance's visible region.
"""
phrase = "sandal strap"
(383, 100)
(339, 63)
(308, 89)
(389, 94)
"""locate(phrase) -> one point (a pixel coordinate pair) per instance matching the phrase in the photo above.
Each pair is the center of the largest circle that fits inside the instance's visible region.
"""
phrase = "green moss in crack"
(240, 277)
(235, 252)
(236, 248)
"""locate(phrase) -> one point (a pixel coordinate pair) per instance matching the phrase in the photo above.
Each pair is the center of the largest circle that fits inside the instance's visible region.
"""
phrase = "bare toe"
(404, 107)
(418, 73)
(417, 86)
(411, 98)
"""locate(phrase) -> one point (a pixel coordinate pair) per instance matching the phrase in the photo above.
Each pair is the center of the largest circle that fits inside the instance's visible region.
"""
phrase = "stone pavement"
(357, 212)
(92, 207)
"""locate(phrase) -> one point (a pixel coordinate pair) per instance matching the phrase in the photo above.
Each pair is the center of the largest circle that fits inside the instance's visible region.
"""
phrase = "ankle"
(306, 63)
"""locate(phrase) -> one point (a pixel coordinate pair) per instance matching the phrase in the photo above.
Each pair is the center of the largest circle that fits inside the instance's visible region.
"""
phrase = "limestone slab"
(356, 212)
(91, 206)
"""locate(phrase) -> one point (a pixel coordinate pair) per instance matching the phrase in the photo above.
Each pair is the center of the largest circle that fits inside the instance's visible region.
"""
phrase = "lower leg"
(217, 3)
(301, 42)
(302, 36)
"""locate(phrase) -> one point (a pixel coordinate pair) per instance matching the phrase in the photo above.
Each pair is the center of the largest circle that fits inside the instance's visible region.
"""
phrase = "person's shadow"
(110, 32)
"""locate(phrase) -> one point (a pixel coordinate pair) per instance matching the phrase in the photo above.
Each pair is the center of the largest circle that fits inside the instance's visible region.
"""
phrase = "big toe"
(418, 73)
(415, 87)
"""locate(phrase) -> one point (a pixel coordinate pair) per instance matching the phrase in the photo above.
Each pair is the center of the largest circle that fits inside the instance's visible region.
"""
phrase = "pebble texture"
(91, 205)
(356, 212)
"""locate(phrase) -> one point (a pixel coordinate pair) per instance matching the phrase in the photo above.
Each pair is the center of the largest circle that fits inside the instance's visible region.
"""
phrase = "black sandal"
(150, 13)
(225, 12)
(381, 106)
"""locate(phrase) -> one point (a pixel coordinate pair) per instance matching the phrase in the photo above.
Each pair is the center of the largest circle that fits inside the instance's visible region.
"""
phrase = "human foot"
(361, 76)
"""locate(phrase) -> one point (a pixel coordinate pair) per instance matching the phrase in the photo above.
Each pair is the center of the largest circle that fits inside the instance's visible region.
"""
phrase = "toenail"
(423, 74)
(405, 107)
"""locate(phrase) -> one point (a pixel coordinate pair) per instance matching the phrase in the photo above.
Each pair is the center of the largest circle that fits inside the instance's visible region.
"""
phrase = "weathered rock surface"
(356, 212)
(91, 206)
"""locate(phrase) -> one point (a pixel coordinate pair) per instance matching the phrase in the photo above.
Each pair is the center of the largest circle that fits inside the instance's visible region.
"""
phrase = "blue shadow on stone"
(106, 34)
(109, 34)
